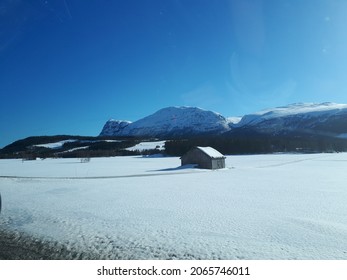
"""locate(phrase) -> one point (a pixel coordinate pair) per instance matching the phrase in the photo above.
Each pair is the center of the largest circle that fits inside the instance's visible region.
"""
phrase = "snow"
(160, 145)
(294, 109)
(169, 120)
(112, 127)
(55, 145)
(285, 206)
(59, 144)
(192, 120)
(211, 152)
(234, 120)
(75, 149)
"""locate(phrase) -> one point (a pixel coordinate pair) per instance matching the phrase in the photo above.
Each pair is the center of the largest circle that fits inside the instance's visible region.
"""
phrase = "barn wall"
(195, 156)
(218, 163)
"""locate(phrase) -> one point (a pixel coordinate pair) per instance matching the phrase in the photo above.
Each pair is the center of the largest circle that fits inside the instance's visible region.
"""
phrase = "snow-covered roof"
(213, 153)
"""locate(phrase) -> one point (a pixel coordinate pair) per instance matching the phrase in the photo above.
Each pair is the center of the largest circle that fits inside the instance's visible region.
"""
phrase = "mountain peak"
(112, 127)
(170, 121)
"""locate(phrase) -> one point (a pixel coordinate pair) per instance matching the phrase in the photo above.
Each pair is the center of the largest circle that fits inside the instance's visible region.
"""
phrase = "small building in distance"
(204, 157)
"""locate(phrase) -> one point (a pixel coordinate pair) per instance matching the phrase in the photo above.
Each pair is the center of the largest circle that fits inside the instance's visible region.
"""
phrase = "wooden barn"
(204, 157)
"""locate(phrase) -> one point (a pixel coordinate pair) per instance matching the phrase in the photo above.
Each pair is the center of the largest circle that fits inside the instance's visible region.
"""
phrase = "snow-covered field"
(259, 207)
(160, 145)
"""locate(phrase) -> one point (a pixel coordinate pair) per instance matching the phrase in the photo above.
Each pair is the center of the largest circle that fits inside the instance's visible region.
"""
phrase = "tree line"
(259, 144)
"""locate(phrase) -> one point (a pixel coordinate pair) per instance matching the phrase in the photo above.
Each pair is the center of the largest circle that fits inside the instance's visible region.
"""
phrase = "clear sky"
(67, 66)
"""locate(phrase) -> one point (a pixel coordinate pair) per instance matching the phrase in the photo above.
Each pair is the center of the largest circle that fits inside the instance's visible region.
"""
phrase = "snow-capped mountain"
(171, 121)
(114, 127)
(300, 117)
(324, 118)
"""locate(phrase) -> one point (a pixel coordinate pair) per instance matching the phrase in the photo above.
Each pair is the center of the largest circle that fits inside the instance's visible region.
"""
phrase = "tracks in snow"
(292, 162)
(95, 177)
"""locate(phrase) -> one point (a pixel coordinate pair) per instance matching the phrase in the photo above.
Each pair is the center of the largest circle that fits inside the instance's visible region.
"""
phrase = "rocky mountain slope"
(170, 122)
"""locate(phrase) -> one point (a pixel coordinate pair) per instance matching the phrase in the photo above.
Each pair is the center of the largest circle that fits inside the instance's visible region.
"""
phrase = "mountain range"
(300, 127)
(328, 119)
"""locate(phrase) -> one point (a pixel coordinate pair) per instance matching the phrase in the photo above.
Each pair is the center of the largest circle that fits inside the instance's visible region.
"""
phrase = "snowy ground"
(159, 145)
(259, 207)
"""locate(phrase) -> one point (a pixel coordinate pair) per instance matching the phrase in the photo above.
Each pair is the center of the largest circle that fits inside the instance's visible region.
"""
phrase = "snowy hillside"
(145, 146)
(171, 121)
(325, 116)
(151, 208)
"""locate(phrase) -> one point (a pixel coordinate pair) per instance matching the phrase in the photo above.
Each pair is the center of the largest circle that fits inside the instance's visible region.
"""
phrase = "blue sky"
(67, 66)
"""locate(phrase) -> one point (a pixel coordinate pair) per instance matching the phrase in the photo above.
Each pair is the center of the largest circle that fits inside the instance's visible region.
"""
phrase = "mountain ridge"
(188, 121)
(170, 121)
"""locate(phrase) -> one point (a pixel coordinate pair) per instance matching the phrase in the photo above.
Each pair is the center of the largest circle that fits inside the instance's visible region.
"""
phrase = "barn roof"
(212, 153)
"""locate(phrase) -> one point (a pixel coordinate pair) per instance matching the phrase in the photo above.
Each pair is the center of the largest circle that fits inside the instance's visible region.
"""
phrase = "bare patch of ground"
(20, 246)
